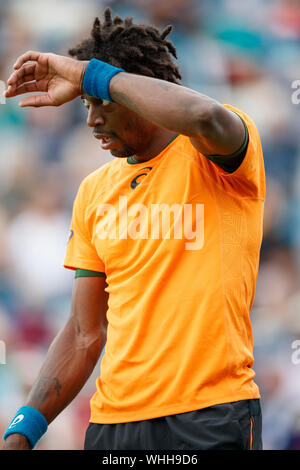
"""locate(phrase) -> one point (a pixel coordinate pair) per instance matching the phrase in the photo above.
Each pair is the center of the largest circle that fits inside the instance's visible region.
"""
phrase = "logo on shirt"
(137, 180)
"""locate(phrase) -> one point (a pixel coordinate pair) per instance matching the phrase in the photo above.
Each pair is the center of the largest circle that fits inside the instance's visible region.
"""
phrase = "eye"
(85, 102)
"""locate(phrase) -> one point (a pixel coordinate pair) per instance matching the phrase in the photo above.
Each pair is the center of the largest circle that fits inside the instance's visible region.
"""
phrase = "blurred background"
(245, 53)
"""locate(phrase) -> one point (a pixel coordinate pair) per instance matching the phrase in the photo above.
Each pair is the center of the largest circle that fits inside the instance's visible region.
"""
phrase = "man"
(165, 241)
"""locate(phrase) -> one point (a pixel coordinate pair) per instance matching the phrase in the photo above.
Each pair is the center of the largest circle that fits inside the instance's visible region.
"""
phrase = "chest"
(150, 210)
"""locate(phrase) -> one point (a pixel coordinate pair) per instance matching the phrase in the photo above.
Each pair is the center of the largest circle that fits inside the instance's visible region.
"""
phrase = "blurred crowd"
(245, 53)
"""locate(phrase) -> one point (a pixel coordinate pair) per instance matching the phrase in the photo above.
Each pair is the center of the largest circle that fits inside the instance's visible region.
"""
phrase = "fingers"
(27, 88)
(36, 101)
(29, 55)
(24, 74)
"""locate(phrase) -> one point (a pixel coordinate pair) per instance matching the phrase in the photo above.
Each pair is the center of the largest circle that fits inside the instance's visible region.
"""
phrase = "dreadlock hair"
(138, 49)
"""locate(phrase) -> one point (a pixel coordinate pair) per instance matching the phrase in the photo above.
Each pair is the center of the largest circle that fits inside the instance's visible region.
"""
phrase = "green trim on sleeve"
(88, 273)
(231, 163)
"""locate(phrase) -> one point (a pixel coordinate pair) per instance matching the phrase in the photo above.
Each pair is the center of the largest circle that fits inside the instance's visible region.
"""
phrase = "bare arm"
(213, 129)
(72, 356)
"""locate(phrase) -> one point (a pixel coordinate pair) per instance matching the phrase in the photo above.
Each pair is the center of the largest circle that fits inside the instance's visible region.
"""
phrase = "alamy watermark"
(296, 354)
(2, 352)
(2, 90)
(296, 94)
(153, 221)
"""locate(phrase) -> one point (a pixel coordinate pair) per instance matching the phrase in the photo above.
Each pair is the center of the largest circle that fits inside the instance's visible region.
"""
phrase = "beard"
(123, 152)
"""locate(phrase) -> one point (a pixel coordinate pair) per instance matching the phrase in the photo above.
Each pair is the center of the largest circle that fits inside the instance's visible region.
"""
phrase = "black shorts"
(229, 426)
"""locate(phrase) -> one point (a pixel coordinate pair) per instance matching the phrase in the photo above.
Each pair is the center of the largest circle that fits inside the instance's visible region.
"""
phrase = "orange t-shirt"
(179, 240)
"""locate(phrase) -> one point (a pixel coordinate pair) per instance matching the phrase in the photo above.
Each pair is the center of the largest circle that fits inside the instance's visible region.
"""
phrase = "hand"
(16, 442)
(60, 77)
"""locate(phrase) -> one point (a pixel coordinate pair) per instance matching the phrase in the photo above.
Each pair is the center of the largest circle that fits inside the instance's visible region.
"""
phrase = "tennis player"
(164, 242)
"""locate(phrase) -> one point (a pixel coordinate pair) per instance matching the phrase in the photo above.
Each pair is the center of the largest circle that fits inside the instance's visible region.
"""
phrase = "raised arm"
(212, 128)
(71, 357)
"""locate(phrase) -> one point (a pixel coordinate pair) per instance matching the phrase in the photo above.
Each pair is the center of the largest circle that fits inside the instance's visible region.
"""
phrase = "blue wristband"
(96, 79)
(29, 422)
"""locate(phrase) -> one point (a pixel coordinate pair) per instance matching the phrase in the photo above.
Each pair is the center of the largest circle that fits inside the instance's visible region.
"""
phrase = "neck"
(159, 140)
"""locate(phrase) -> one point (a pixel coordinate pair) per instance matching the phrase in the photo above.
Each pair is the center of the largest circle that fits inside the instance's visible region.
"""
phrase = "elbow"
(86, 338)
(93, 341)
(207, 119)
(91, 345)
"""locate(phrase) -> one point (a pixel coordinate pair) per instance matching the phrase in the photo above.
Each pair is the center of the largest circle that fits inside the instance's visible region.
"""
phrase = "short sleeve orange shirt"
(179, 240)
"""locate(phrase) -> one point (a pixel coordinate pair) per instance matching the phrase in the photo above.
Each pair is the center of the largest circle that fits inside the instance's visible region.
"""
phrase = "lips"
(102, 136)
(108, 141)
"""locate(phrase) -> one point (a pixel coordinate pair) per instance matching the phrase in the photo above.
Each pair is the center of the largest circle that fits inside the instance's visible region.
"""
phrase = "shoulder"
(97, 180)
(93, 177)
(248, 121)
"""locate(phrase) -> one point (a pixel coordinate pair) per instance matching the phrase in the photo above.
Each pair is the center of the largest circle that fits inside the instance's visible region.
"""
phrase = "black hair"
(138, 49)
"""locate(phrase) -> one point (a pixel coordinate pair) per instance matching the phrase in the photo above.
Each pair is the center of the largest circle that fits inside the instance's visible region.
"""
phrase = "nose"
(95, 116)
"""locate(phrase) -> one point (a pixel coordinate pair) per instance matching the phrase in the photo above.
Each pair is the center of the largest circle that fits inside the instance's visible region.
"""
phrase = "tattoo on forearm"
(45, 386)
(57, 386)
